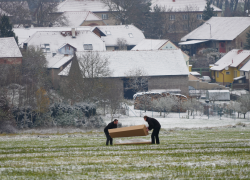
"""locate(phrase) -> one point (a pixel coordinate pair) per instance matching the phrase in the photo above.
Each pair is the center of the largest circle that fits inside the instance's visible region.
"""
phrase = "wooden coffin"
(131, 131)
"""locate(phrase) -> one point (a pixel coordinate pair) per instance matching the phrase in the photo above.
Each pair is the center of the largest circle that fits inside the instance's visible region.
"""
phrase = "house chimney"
(73, 32)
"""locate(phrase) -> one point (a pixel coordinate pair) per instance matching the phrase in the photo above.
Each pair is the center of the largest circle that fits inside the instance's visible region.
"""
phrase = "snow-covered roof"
(130, 33)
(65, 71)
(194, 73)
(25, 33)
(238, 78)
(58, 60)
(9, 48)
(219, 95)
(165, 90)
(181, 5)
(82, 5)
(232, 59)
(2, 12)
(154, 63)
(246, 67)
(239, 92)
(192, 42)
(222, 28)
(150, 44)
(56, 40)
(76, 18)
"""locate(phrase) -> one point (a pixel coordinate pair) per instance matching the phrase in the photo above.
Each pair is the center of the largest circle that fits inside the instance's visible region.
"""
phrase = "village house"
(59, 47)
(95, 6)
(25, 33)
(81, 18)
(10, 52)
(110, 35)
(158, 44)
(164, 69)
(220, 33)
(65, 42)
(128, 34)
(183, 16)
(244, 78)
(226, 70)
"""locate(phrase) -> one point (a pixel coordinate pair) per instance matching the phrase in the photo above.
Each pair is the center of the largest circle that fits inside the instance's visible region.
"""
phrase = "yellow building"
(228, 67)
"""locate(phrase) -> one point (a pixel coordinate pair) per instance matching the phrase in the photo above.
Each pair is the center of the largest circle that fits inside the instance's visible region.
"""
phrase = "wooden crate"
(131, 131)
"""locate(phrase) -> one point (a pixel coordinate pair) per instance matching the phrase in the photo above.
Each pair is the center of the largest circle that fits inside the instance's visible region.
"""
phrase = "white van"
(206, 79)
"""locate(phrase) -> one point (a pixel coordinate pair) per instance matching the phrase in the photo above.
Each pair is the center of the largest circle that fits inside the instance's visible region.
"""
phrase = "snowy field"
(209, 153)
(194, 148)
(176, 120)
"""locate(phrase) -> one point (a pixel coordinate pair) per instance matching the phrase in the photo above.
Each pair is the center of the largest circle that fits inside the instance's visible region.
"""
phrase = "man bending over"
(153, 124)
(111, 125)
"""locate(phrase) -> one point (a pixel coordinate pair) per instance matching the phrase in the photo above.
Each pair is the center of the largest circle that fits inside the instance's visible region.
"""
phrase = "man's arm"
(151, 125)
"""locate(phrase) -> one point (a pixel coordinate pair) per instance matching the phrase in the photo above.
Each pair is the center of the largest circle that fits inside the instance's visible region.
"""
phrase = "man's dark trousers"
(155, 135)
(108, 139)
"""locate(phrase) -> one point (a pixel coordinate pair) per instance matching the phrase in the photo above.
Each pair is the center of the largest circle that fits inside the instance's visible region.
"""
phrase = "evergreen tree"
(208, 12)
(247, 45)
(6, 28)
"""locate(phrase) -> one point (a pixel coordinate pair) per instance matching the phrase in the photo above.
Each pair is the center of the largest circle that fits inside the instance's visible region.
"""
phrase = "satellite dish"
(226, 68)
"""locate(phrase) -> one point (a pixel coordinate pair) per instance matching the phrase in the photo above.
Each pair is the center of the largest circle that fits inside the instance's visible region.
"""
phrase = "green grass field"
(221, 153)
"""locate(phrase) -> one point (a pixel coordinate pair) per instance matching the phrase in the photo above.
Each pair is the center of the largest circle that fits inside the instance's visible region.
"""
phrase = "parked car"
(206, 79)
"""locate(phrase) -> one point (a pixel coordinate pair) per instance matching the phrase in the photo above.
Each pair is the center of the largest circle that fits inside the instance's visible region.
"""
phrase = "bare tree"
(93, 65)
(164, 104)
(128, 11)
(85, 81)
(122, 44)
(46, 15)
(137, 80)
(244, 104)
(19, 11)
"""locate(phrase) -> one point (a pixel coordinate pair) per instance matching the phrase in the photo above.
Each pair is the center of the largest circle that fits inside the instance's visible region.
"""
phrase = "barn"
(164, 69)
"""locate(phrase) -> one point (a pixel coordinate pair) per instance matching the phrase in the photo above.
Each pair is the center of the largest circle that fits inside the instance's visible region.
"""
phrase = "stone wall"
(169, 82)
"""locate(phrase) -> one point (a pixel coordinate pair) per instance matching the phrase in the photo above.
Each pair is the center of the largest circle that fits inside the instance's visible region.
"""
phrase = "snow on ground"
(176, 120)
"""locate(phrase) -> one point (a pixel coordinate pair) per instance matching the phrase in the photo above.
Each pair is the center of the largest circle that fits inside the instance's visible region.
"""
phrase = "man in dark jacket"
(111, 125)
(153, 124)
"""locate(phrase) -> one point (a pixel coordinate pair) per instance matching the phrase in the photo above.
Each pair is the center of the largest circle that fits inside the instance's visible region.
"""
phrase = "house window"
(199, 16)
(53, 54)
(108, 32)
(185, 17)
(235, 74)
(130, 35)
(241, 44)
(88, 47)
(228, 73)
(217, 74)
(105, 16)
(45, 48)
(172, 17)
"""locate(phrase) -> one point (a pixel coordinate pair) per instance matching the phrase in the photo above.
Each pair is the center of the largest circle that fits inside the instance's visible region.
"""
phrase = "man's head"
(115, 121)
(145, 117)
